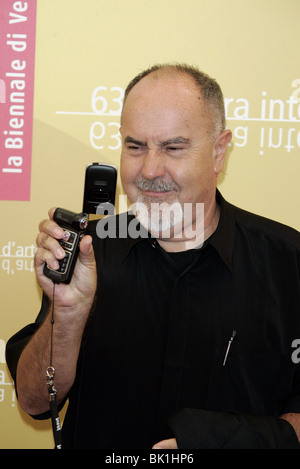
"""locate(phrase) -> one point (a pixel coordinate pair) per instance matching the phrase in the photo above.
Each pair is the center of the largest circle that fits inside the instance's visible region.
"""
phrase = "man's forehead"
(164, 103)
(171, 84)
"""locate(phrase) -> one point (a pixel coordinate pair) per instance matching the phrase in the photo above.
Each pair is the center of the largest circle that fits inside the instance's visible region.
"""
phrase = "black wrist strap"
(56, 427)
(55, 422)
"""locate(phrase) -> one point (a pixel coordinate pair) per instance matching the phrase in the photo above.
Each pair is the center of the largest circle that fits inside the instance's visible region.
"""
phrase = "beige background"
(251, 47)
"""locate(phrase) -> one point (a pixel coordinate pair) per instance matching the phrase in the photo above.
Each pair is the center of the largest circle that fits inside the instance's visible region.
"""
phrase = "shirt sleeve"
(202, 429)
(18, 341)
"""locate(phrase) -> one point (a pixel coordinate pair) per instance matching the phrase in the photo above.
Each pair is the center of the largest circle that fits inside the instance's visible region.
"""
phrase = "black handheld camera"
(75, 224)
(99, 189)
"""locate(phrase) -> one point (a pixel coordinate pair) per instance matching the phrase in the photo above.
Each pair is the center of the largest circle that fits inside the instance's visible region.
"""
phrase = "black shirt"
(157, 339)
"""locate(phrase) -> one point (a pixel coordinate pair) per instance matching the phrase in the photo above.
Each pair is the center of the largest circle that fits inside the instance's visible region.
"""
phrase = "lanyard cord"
(56, 428)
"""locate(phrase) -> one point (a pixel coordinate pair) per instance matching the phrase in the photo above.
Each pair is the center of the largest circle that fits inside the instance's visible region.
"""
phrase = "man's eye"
(174, 148)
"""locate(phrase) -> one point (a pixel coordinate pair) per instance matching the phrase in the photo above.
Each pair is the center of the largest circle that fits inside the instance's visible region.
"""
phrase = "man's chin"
(162, 220)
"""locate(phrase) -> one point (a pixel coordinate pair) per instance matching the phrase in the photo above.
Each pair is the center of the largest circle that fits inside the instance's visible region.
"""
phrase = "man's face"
(167, 153)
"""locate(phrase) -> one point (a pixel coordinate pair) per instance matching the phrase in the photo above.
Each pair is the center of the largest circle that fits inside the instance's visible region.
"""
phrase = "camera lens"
(83, 223)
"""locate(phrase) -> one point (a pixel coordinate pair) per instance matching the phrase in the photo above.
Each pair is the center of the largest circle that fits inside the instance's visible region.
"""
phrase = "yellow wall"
(250, 46)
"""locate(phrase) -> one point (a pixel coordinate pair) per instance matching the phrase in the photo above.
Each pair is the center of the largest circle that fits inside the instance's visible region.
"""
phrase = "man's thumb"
(86, 250)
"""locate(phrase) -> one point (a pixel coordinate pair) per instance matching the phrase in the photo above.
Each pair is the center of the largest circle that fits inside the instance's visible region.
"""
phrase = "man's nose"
(153, 164)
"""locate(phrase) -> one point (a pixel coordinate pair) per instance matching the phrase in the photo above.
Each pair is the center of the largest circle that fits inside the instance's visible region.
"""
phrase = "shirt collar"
(222, 239)
(135, 228)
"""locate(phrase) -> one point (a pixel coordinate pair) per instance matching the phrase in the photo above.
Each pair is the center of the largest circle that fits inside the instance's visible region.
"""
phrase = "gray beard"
(158, 218)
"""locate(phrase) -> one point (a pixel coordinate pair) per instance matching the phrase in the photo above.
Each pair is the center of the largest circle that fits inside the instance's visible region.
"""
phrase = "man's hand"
(166, 444)
(82, 288)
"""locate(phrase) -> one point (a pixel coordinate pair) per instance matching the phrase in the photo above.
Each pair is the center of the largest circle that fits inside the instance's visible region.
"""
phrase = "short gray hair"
(210, 90)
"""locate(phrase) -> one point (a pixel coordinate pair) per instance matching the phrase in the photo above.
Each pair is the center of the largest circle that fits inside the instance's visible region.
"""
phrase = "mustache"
(156, 185)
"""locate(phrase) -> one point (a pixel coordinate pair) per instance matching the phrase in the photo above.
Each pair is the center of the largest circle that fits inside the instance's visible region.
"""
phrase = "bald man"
(179, 336)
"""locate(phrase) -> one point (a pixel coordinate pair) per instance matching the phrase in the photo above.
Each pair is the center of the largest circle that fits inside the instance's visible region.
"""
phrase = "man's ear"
(220, 149)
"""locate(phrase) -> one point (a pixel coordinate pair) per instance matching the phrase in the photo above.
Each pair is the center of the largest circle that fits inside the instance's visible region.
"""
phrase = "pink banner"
(17, 56)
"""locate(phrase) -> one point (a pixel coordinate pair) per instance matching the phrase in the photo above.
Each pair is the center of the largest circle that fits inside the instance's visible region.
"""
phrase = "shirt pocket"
(254, 379)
